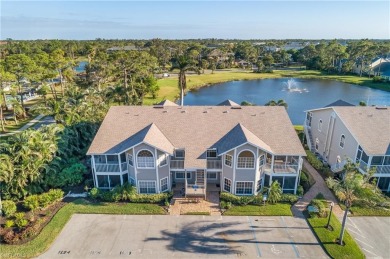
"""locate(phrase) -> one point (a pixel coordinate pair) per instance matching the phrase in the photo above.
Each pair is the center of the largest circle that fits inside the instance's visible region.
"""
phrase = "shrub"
(313, 160)
(94, 193)
(107, 196)
(20, 220)
(319, 204)
(9, 208)
(10, 237)
(72, 175)
(44, 200)
(150, 198)
(9, 223)
(31, 202)
(378, 79)
(56, 195)
(234, 199)
(289, 198)
(300, 190)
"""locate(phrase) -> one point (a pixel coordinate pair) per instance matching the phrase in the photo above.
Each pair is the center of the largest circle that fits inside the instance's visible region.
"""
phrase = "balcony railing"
(107, 168)
(214, 164)
(363, 166)
(282, 168)
(177, 164)
(382, 169)
(110, 168)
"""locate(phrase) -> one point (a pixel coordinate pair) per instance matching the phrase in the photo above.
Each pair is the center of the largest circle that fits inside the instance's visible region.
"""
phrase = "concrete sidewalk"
(319, 187)
(28, 125)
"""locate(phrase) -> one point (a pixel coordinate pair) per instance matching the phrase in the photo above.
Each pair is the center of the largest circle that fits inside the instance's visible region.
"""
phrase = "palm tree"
(274, 192)
(184, 64)
(277, 103)
(2, 103)
(17, 109)
(347, 188)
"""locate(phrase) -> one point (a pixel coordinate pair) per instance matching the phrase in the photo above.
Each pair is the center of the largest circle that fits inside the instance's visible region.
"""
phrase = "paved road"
(372, 234)
(125, 236)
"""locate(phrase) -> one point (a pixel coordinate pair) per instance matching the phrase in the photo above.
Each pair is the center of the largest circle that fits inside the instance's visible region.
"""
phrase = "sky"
(87, 19)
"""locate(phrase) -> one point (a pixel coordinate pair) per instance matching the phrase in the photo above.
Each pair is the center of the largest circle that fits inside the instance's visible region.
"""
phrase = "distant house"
(219, 56)
(162, 147)
(341, 131)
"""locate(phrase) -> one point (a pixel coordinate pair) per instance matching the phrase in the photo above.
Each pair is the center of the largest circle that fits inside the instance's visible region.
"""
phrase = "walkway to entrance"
(181, 205)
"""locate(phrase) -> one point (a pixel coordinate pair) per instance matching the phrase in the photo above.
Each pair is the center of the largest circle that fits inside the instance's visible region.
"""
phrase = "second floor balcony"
(282, 168)
(214, 164)
(110, 168)
(177, 164)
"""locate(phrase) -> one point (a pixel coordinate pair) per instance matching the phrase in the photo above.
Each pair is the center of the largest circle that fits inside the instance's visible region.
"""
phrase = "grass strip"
(328, 239)
(43, 241)
(278, 209)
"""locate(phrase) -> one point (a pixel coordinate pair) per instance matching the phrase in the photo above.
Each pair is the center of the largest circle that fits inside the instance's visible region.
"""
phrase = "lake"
(300, 94)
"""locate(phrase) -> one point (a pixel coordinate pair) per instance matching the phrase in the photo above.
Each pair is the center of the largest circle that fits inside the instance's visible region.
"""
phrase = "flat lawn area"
(50, 232)
(359, 211)
(169, 88)
(328, 239)
(279, 209)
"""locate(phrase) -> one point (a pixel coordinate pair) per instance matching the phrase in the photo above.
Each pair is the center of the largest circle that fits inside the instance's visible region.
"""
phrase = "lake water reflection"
(300, 94)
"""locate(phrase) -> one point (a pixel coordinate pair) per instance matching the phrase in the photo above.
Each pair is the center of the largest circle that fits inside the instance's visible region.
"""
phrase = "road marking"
(354, 225)
(370, 252)
(356, 233)
(290, 237)
(254, 236)
(364, 242)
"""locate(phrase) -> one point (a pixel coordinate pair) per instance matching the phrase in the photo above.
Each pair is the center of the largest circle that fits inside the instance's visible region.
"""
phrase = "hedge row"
(245, 200)
(43, 200)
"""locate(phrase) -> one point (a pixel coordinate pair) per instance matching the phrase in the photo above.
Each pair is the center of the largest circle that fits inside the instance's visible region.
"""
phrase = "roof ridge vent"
(158, 106)
(184, 111)
(236, 107)
(165, 111)
(205, 111)
(381, 107)
(225, 111)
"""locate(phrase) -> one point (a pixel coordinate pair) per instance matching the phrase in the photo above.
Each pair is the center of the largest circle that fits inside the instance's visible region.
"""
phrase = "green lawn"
(328, 239)
(169, 89)
(279, 209)
(42, 242)
(372, 211)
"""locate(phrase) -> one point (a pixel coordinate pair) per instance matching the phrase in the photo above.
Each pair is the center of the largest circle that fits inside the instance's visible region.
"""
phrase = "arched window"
(342, 141)
(319, 125)
(246, 159)
(317, 143)
(145, 159)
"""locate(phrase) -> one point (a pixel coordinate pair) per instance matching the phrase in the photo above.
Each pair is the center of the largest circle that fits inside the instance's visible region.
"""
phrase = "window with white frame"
(244, 188)
(319, 125)
(164, 184)
(145, 159)
(246, 159)
(147, 186)
(132, 181)
(163, 160)
(342, 141)
(228, 160)
(211, 153)
(317, 144)
(130, 159)
(212, 175)
(179, 153)
(181, 175)
(227, 186)
(262, 160)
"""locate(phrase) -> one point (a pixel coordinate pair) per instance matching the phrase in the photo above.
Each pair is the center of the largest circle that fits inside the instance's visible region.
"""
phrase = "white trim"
(245, 194)
(234, 172)
(135, 173)
(231, 185)
(249, 143)
(146, 143)
(167, 184)
(154, 160)
(94, 172)
(166, 159)
(155, 185)
(224, 160)
(254, 159)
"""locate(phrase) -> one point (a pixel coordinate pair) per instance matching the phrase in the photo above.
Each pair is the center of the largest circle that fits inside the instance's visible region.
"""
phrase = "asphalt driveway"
(372, 234)
(130, 236)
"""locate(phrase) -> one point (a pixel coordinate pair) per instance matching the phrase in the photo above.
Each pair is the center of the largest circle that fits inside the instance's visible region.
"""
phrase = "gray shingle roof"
(369, 125)
(196, 128)
(339, 103)
(228, 103)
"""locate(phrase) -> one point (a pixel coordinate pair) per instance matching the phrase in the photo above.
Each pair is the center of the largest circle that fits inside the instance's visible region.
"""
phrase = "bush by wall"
(313, 160)
(9, 208)
(289, 198)
(43, 200)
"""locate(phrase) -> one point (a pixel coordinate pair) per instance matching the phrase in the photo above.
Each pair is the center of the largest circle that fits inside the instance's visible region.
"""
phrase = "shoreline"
(169, 90)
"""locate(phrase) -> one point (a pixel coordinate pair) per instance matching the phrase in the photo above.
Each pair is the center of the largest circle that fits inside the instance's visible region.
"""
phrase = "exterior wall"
(163, 171)
(142, 173)
(350, 145)
(131, 170)
(218, 180)
(227, 171)
(325, 116)
(331, 134)
(245, 174)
